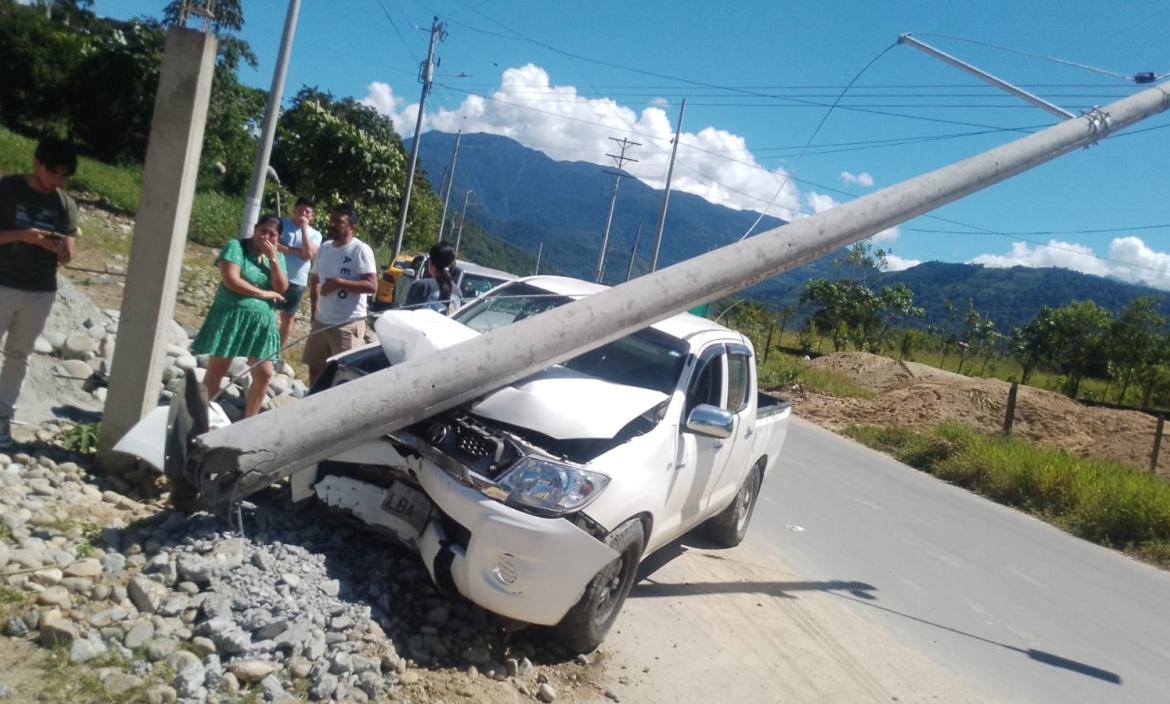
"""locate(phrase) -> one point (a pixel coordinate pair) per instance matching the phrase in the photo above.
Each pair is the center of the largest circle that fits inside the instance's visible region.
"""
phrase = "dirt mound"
(918, 396)
(867, 370)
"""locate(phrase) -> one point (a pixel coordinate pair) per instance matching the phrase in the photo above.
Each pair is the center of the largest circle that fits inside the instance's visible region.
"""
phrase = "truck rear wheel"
(585, 625)
(729, 527)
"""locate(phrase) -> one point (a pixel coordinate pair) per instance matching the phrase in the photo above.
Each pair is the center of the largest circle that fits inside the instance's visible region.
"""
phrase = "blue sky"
(564, 77)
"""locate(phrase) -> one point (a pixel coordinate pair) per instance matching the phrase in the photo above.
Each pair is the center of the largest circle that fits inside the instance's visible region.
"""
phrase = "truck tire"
(585, 625)
(730, 525)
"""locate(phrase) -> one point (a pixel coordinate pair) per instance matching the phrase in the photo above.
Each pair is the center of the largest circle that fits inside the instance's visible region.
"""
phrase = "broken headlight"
(548, 485)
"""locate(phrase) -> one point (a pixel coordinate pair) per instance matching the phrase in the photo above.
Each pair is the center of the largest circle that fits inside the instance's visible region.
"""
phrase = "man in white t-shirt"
(343, 275)
(299, 242)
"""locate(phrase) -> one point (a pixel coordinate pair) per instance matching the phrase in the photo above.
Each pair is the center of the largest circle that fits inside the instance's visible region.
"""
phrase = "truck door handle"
(750, 432)
(718, 444)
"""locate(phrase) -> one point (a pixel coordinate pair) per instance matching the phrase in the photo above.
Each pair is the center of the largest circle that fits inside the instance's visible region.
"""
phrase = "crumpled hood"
(557, 402)
(568, 405)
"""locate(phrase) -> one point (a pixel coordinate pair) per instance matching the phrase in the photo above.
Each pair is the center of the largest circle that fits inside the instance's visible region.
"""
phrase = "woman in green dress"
(242, 321)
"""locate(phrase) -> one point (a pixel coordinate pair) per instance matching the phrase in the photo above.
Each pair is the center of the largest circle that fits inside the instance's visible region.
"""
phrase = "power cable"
(394, 24)
(813, 136)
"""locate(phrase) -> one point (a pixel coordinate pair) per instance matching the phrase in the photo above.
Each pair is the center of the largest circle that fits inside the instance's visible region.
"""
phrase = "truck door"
(741, 401)
(699, 458)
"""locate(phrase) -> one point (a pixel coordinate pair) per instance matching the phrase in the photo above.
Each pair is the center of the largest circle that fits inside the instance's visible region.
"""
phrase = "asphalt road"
(1017, 608)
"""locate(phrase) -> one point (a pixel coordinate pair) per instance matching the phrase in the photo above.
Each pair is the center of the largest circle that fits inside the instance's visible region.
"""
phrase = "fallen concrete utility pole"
(232, 462)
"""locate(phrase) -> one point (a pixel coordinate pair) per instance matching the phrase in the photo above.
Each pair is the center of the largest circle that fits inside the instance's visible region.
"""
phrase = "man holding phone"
(38, 228)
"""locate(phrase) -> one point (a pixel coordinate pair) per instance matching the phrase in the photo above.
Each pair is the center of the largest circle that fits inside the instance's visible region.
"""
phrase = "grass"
(784, 369)
(1104, 501)
(215, 216)
(12, 601)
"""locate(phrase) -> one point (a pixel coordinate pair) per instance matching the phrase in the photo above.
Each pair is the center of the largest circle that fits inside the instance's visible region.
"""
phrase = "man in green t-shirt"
(38, 227)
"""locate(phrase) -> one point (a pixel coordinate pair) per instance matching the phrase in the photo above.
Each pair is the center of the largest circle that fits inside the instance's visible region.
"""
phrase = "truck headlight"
(548, 485)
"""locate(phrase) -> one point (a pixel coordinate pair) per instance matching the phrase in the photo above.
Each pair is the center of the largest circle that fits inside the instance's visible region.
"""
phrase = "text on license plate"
(409, 504)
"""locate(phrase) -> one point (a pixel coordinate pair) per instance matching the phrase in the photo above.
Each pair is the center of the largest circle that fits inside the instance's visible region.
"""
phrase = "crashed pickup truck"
(539, 500)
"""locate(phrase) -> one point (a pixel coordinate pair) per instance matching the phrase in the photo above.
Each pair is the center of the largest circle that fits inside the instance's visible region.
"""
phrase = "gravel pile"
(174, 608)
(83, 353)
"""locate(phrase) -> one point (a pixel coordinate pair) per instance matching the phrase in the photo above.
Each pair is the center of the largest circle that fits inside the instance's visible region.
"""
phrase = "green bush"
(1101, 500)
(215, 218)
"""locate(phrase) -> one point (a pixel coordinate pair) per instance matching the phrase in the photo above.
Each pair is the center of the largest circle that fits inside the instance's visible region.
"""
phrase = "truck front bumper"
(511, 563)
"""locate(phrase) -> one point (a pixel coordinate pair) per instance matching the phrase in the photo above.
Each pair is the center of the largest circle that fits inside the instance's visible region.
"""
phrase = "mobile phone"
(57, 235)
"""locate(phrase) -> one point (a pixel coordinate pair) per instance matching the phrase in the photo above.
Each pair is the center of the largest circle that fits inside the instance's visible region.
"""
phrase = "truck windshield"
(648, 358)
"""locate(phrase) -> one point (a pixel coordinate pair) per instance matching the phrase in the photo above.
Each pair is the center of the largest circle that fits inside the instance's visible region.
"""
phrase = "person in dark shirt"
(437, 289)
(38, 228)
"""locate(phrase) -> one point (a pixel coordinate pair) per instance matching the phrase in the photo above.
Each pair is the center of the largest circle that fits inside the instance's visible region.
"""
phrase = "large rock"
(88, 567)
(86, 649)
(56, 630)
(139, 635)
(249, 671)
(78, 345)
(146, 594)
(76, 369)
(117, 683)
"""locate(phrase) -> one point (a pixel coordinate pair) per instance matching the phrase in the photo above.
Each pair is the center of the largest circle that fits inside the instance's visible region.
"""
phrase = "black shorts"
(292, 299)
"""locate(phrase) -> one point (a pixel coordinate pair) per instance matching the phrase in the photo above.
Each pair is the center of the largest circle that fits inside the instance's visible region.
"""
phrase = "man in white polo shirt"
(343, 275)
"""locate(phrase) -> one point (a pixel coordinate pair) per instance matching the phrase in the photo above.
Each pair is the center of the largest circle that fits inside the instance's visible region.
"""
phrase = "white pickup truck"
(538, 501)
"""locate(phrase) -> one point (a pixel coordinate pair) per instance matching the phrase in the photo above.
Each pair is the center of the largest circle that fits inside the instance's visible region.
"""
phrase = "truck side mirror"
(711, 421)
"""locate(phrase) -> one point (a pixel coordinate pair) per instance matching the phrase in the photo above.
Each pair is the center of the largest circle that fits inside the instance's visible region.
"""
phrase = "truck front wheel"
(585, 625)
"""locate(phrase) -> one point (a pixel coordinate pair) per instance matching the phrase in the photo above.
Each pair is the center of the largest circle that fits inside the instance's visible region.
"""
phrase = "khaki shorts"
(324, 342)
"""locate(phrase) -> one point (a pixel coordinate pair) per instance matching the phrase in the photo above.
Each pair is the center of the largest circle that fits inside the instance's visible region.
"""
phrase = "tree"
(1032, 344)
(977, 334)
(1134, 341)
(340, 150)
(1078, 341)
(751, 318)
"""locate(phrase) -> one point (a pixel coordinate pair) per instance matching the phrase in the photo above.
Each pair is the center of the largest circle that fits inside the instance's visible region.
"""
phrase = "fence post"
(1157, 443)
(768, 344)
(1010, 417)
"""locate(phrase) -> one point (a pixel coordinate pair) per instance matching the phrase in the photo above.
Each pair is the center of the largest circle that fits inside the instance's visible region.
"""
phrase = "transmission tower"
(620, 159)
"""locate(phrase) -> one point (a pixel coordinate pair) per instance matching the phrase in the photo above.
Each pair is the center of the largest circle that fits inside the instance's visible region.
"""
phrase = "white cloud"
(862, 179)
(890, 234)
(1129, 259)
(660, 103)
(556, 120)
(896, 263)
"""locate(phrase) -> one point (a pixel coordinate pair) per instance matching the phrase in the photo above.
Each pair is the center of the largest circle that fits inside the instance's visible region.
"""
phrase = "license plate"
(409, 504)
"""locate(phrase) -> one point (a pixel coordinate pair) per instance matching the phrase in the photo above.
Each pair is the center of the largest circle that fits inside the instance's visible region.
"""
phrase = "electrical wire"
(813, 136)
(397, 31)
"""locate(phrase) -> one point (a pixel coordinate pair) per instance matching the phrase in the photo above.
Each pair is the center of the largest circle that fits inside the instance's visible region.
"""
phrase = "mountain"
(525, 198)
(1012, 296)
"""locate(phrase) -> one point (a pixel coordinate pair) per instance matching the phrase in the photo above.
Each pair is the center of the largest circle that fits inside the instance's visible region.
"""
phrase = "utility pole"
(160, 233)
(271, 112)
(539, 251)
(230, 463)
(450, 181)
(462, 219)
(634, 252)
(426, 74)
(666, 194)
(621, 159)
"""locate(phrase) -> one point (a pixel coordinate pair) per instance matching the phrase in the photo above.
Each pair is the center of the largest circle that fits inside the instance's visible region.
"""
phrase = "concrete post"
(160, 232)
(232, 462)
